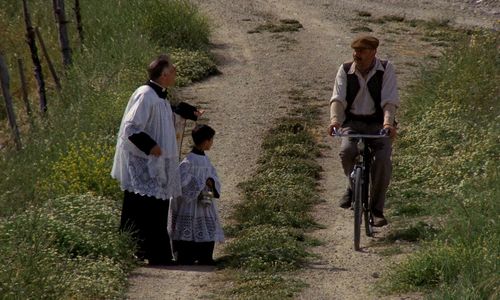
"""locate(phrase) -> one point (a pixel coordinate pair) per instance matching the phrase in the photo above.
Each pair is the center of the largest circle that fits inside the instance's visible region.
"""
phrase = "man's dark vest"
(375, 89)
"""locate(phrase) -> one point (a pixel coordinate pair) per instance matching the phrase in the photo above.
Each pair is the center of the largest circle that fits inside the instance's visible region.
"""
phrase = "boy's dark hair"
(157, 66)
(202, 133)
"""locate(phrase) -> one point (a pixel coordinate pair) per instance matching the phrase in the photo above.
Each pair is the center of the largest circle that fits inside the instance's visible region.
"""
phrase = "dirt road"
(258, 71)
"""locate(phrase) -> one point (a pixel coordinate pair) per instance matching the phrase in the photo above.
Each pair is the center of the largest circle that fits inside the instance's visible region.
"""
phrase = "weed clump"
(284, 25)
(272, 219)
(361, 29)
(267, 248)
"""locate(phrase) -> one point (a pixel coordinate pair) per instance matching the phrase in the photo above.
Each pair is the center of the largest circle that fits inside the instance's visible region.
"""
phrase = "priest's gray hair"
(157, 66)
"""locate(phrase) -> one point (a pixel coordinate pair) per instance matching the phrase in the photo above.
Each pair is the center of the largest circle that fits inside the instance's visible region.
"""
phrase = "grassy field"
(447, 185)
(59, 207)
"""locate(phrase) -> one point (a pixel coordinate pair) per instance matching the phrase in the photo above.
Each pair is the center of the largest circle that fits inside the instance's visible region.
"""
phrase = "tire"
(358, 205)
(368, 224)
(366, 208)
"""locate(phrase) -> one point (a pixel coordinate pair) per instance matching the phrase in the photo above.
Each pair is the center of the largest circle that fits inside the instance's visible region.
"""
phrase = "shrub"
(70, 248)
(84, 167)
(192, 65)
(86, 225)
(176, 24)
(428, 268)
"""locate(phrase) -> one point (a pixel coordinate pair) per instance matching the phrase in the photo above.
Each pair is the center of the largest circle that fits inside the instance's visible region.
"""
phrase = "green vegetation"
(284, 25)
(269, 235)
(67, 248)
(176, 24)
(447, 174)
(58, 216)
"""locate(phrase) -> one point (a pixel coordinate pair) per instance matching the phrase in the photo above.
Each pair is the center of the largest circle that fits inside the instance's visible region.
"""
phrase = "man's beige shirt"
(363, 103)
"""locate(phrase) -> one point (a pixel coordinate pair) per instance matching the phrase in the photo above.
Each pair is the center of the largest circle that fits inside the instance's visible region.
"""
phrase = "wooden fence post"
(30, 39)
(24, 88)
(79, 25)
(63, 31)
(47, 57)
(4, 80)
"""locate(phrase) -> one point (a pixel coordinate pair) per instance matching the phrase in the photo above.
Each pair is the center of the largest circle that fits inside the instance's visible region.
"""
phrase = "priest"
(146, 161)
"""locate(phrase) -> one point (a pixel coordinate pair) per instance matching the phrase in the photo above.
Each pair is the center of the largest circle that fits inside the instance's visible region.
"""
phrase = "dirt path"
(258, 71)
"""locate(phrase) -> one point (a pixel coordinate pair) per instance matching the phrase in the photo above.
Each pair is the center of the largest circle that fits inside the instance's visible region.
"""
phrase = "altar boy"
(194, 224)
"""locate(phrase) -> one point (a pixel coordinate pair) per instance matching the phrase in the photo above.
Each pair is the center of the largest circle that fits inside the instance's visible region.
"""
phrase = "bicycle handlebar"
(384, 133)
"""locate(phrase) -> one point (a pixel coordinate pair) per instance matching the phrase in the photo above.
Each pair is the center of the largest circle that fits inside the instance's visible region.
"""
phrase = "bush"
(192, 65)
(428, 269)
(84, 167)
(70, 248)
(86, 225)
(176, 24)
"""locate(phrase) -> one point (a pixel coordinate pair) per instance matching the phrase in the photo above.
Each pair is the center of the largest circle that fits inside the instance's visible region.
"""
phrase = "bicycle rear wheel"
(367, 209)
(358, 205)
(368, 224)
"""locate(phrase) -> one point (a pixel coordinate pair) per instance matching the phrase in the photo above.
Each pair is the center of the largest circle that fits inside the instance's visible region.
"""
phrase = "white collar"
(156, 83)
(378, 67)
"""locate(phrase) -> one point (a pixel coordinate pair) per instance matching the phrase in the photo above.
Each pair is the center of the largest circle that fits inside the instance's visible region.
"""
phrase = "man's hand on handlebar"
(391, 130)
(333, 126)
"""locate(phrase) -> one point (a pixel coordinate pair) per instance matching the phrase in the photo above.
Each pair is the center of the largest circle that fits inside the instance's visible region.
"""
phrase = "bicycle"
(360, 179)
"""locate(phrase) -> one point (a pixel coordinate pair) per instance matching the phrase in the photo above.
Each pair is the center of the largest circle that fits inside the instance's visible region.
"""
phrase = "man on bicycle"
(365, 99)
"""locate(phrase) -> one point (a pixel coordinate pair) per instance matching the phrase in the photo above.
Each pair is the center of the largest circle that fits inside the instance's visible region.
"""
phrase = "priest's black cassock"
(149, 182)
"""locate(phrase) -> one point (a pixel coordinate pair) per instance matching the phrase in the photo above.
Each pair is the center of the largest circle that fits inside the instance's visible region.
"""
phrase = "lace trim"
(159, 181)
(193, 221)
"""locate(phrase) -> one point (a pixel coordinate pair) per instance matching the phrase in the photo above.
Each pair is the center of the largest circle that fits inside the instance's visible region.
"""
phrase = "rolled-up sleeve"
(390, 93)
(340, 87)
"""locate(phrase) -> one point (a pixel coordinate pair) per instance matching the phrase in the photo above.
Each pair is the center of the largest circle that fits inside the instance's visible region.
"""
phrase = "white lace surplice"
(190, 220)
(138, 172)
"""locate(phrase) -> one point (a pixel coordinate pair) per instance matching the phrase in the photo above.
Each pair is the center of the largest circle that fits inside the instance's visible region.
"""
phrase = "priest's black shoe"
(161, 262)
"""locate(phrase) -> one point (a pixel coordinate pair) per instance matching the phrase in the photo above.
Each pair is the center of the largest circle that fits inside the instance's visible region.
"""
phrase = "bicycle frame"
(363, 160)
(361, 205)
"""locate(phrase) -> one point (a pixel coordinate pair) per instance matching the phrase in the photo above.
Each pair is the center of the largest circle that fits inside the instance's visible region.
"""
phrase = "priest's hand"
(156, 151)
(199, 112)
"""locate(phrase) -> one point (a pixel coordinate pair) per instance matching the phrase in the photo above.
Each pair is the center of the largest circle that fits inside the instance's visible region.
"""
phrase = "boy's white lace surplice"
(190, 220)
(138, 172)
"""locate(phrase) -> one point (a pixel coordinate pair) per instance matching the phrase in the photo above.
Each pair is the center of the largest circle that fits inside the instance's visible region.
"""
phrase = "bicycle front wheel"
(358, 206)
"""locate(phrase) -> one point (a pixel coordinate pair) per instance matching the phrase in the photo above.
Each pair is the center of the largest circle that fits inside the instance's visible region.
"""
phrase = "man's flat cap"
(365, 42)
